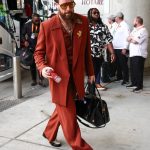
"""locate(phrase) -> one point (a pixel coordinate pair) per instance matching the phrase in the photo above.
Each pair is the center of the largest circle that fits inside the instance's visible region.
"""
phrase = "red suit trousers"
(66, 117)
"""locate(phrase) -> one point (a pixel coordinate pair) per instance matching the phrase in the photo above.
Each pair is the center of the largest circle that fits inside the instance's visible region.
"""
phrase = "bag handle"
(93, 94)
(92, 91)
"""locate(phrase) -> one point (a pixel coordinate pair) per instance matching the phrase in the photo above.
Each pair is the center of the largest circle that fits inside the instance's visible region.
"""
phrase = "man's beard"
(95, 19)
(135, 25)
(66, 16)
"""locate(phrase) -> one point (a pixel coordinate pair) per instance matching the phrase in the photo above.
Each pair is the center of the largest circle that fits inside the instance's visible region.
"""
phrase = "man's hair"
(57, 1)
(120, 15)
(139, 20)
(35, 15)
(99, 21)
(112, 18)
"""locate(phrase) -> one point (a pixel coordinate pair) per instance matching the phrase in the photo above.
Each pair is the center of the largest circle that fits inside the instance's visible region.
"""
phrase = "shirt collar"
(138, 28)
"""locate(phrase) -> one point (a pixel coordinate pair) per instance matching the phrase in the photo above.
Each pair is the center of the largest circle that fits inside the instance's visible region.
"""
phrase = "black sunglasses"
(96, 12)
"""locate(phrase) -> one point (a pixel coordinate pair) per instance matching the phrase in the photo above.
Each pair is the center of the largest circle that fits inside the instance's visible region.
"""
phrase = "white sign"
(82, 6)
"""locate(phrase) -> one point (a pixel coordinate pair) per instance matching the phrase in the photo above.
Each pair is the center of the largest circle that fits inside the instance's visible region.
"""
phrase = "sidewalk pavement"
(21, 126)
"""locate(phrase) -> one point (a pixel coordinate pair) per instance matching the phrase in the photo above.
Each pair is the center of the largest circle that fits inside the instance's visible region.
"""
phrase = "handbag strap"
(94, 86)
(87, 125)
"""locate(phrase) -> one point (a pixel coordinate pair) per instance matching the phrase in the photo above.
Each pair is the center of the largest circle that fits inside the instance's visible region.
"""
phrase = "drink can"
(54, 76)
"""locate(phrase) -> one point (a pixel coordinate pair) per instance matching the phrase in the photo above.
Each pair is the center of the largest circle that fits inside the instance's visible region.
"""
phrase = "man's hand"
(124, 51)
(129, 38)
(26, 43)
(113, 57)
(46, 72)
(134, 42)
(111, 50)
(91, 79)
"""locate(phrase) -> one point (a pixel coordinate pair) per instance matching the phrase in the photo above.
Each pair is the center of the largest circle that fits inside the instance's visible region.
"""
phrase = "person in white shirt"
(112, 65)
(120, 43)
(111, 24)
(138, 53)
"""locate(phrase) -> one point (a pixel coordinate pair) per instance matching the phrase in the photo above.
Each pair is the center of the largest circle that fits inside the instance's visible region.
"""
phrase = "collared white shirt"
(112, 27)
(120, 35)
(139, 35)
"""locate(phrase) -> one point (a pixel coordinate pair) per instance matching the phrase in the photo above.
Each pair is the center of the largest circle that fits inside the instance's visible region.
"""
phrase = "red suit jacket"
(51, 43)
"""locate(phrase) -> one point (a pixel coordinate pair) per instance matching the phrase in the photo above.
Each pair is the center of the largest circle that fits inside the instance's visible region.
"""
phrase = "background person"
(101, 40)
(138, 40)
(120, 43)
(29, 38)
(112, 65)
(65, 40)
(111, 23)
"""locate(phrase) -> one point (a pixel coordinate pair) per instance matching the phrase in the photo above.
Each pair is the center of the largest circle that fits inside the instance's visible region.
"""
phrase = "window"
(5, 62)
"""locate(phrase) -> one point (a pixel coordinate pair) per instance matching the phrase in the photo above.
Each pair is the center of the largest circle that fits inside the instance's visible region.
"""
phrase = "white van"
(6, 64)
(6, 53)
(7, 40)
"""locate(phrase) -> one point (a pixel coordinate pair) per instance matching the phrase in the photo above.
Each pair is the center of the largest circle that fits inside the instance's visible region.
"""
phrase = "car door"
(6, 64)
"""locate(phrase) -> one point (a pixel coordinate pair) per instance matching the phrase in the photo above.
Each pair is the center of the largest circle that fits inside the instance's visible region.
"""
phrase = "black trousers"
(122, 65)
(112, 66)
(33, 71)
(137, 69)
(97, 64)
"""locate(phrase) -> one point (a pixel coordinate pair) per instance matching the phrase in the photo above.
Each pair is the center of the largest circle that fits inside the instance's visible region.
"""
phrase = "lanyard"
(34, 28)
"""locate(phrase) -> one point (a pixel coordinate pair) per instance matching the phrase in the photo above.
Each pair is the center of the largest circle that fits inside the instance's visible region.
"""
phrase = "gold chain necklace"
(69, 29)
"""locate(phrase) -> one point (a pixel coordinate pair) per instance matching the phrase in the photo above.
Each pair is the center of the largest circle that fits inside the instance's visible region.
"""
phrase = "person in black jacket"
(29, 38)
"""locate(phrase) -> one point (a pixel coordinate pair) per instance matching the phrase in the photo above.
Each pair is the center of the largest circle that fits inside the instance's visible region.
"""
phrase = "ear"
(57, 5)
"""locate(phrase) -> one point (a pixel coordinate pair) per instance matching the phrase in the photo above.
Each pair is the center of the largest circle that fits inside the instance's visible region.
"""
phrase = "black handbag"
(92, 109)
(26, 56)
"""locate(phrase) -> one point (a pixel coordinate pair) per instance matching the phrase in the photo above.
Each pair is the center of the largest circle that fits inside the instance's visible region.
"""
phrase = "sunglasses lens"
(65, 5)
(96, 12)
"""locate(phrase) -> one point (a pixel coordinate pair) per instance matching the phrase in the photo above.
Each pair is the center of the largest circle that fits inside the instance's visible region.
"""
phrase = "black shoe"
(41, 83)
(131, 86)
(44, 136)
(33, 83)
(54, 143)
(124, 83)
(137, 90)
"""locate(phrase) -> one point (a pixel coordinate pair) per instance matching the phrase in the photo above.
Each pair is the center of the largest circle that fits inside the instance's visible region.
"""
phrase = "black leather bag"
(92, 109)
(26, 56)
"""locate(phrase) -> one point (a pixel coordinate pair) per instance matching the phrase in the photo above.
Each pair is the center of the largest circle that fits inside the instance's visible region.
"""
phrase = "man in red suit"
(63, 46)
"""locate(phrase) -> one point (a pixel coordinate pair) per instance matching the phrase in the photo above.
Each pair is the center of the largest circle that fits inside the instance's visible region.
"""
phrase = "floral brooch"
(79, 33)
